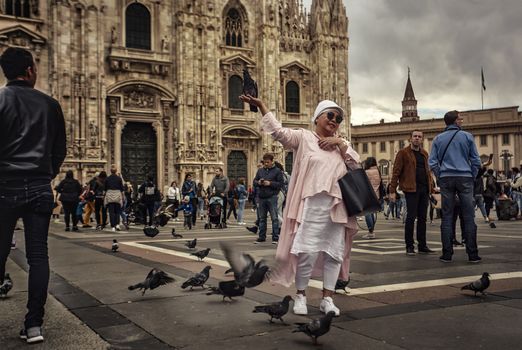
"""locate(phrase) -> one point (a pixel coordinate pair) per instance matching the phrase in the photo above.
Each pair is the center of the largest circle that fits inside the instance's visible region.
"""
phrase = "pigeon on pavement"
(202, 254)
(6, 286)
(227, 289)
(192, 244)
(154, 279)
(197, 280)
(176, 235)
(275, 310)
(340, 284)
(316, 327)
(247, 272)
(115, 246)
(479, 285)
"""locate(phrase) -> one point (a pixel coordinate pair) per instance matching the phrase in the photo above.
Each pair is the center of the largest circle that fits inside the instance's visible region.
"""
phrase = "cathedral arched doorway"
(237, 166)
(138, 152)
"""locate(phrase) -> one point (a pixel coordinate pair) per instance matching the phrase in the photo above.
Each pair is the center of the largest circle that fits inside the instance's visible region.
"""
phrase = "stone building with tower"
(497, 131)
(152, 86)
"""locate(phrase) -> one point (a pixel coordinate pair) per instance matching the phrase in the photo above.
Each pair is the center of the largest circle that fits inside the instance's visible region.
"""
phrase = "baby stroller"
(215, 206)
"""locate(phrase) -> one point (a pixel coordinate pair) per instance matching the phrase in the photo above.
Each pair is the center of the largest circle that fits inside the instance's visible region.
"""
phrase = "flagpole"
(482, 96)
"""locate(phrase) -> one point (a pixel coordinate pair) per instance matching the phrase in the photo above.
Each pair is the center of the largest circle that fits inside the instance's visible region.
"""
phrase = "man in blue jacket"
(455, 162)
(268, 183)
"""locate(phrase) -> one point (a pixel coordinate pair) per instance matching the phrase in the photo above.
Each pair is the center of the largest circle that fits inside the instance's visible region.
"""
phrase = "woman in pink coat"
(317, 234)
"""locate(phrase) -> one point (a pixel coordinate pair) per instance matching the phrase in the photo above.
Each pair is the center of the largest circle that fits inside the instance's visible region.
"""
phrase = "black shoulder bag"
(358, 195)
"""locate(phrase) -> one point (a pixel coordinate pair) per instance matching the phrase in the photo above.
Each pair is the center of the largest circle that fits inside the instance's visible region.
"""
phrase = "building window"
(292, 97)
(383, 146)
(18, 8)
(233, 29)
(384, 167)
(365, 147)
(505, 139)
(401, 144)
(137, 27)
(483, 140)
(235, 89)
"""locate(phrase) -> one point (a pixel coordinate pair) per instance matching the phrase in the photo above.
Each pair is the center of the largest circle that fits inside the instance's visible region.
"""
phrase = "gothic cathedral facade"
(152, 85)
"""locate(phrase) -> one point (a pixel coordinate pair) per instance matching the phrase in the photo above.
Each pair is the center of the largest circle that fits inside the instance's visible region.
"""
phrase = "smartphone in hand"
(491, 156)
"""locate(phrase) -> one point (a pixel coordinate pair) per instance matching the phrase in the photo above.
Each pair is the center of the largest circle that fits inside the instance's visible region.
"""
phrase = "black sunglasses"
(338, 117)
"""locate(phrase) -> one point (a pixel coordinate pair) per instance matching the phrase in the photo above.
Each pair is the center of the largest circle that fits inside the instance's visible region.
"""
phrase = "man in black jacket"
(268, 182)
(32, 130)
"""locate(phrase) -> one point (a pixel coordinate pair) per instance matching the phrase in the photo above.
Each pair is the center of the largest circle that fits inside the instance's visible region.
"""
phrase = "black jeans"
(232, 209)
(114, 213)
(69, 211)
(99, 207)
(417, 208)
(194, 202)
(31, 200)
(149, 211)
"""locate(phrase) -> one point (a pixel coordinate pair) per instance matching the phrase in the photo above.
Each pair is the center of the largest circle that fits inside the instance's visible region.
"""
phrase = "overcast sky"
(445, 43)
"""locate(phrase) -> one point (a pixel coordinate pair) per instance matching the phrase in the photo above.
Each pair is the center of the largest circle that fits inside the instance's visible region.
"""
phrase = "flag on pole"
(482, 74)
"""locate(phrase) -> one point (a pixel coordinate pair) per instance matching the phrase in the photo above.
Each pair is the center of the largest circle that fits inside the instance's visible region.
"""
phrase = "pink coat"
(306, 182)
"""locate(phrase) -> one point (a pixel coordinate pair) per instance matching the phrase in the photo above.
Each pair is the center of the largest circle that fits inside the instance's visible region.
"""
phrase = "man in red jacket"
(411, 173)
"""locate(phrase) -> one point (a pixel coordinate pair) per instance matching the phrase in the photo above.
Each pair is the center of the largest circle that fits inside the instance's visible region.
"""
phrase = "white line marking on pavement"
(420, 284)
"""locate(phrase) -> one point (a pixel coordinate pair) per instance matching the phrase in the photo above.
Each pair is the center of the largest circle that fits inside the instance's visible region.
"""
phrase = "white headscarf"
(324, 105)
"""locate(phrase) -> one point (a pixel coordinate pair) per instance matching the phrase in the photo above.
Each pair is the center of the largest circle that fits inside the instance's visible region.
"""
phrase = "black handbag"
(150, 231)
(358, 195)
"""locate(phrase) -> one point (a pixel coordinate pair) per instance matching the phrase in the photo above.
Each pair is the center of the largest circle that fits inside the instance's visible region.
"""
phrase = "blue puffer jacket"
(461, 158)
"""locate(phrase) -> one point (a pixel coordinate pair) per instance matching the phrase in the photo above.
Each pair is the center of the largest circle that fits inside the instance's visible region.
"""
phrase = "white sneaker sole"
(35, 339)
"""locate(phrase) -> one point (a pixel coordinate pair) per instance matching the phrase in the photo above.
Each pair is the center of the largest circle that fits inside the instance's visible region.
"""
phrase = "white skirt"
(317, 232)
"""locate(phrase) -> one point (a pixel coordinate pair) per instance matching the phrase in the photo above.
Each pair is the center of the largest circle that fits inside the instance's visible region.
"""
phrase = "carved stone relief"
(138, 99)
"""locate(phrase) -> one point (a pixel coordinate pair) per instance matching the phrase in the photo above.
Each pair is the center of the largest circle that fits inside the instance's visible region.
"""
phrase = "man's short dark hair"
(416, 130)
(451, 117)
(515, 170)
(15, 61)
(268, 156)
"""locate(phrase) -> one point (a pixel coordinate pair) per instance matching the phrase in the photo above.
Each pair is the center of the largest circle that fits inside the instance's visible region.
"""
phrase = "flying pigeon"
(6, 286)
(154, 279)
(275, 310)
(115, 246)
(316, 327)
(340, 284)
(247, 272)
(202, 254)
(192, 244)
(479, 285)
(227, 289)
(176, 235)
(249, 87)
(197, 280)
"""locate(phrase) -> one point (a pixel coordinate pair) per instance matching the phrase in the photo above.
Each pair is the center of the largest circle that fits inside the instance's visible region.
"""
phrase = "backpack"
(150, 190)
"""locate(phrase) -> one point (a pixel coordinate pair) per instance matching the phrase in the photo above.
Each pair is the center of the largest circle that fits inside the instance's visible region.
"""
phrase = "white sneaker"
(118, 228)
(300, 305)
(369, 236)
(327, 305)
(114, 229)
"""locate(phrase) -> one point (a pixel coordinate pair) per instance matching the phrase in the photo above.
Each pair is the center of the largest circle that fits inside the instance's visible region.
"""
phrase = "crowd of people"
(311, 228)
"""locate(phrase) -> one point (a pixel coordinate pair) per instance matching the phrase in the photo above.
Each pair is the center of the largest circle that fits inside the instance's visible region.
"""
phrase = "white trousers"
(305, 265)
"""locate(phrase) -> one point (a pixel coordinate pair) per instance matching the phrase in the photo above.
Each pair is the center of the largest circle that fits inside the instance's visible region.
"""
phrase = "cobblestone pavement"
(395, 301)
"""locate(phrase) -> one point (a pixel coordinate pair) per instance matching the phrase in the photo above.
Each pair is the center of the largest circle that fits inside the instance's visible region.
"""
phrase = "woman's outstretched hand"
(254, 101)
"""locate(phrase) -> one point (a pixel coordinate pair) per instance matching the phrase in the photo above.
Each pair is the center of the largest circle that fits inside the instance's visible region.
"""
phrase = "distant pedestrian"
(148, 196)
(100, 210)
(114, 193)
(189, 189)
(374, 175)
(242, 198)
(220, 186)
(69, 191)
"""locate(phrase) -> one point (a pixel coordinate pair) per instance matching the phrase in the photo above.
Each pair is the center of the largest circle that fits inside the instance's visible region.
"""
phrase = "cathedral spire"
(409, 103)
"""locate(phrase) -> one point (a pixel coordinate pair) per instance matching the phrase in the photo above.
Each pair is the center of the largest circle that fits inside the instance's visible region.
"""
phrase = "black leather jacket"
(32, 133)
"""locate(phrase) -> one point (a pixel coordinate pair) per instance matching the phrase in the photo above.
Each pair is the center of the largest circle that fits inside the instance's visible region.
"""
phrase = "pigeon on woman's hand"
(317, 327)
(247, 272)
(275, 310)
(479, 285)
(202, 254)
(154, 279)
(197, 280)
(249, 87)
(192, 244)
(227, 289)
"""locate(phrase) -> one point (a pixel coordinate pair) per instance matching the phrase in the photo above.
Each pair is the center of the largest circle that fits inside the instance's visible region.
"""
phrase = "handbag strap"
(444, 153)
